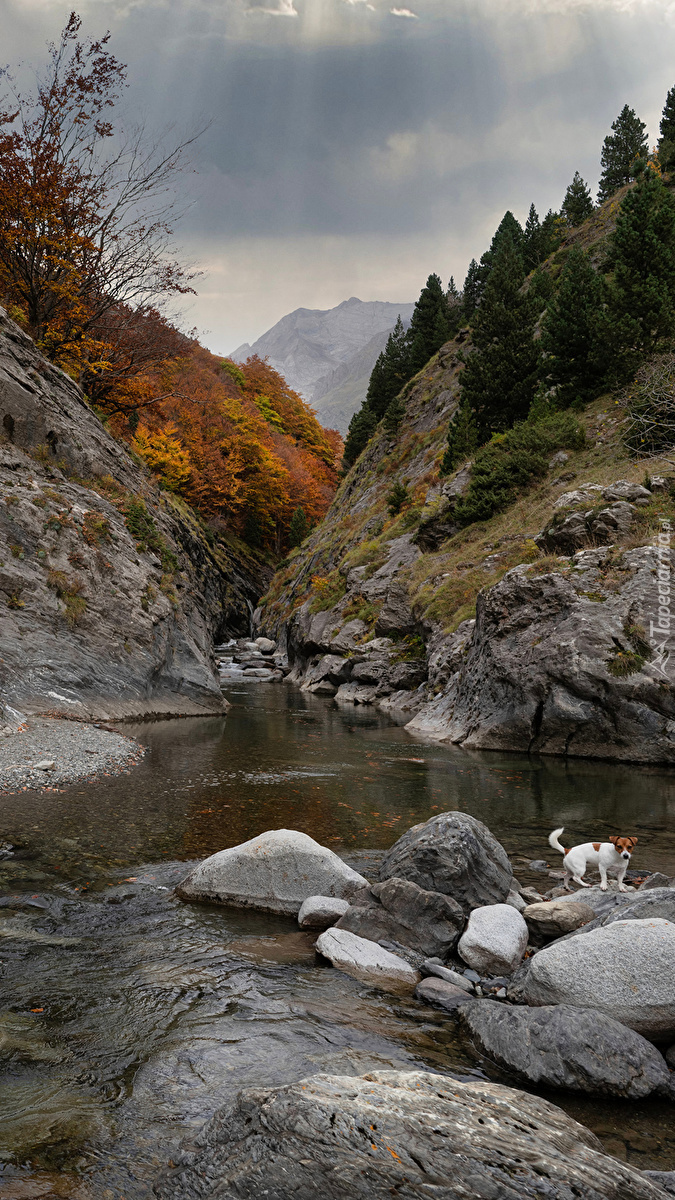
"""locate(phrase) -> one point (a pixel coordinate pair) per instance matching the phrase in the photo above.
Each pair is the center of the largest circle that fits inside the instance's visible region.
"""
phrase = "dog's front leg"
(603, 877)
(620, 877)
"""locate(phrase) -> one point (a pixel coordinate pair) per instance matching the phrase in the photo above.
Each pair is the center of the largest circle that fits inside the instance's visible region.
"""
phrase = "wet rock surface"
(495, 940)
(560, 1046)
(366, 960)
(402, 1133)
(455, 854)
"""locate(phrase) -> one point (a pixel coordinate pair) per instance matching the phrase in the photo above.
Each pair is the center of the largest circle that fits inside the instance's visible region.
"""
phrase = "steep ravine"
(528, 631)
(111, 591)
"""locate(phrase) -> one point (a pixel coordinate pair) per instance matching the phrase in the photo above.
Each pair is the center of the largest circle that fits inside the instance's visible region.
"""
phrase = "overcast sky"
(354, 147)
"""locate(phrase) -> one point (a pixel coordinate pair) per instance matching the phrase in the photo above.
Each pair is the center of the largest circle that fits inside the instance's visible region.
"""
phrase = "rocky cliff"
(532, 630)
(112, 592)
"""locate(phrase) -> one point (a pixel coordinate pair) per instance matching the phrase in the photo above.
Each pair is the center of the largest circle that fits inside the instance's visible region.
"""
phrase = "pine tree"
(472, 290)
(361, 428)
(578, 202)
(666, 145)
(500, 377)
(453, 300)
(298, 529)
(462, 438)
(620, 150)
(574, 363)
(392, 369)
(642, 308)
(508, 232)
(532, 249)
(429, 327)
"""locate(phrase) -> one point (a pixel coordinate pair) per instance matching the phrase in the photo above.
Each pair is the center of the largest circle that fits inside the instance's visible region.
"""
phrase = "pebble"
(49, 752)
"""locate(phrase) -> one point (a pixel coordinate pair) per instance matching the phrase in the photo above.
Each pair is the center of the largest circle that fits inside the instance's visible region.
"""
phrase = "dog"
(613, 855)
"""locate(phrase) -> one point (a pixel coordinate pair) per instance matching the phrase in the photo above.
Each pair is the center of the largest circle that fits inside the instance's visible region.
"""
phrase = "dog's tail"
(553, 840)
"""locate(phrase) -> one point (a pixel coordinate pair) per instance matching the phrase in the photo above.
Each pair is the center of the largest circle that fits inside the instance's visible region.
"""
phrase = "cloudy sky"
(355, 146)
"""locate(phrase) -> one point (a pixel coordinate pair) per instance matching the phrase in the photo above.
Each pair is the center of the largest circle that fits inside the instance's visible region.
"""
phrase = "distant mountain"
(327, 354)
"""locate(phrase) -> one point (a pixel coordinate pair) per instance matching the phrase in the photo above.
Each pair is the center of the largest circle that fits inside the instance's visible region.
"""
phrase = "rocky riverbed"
(48, 752)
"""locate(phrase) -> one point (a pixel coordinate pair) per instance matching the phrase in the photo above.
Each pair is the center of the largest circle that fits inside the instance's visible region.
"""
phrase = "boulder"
(634, 906)
(560, 1046)
(365, 960)
(516, 901)
(551, 919)
(400, 911)
(442, 994)
(664, 1179)
(275, 871)
(397, 1133)
(320, 912)
(433, 967)
(670, 1057)
(265, 645)
(455, 854)
(625, 969)
(494, 940)
(657, 880)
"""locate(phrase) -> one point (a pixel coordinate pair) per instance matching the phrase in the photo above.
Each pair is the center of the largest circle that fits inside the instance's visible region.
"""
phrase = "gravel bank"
(76, 750)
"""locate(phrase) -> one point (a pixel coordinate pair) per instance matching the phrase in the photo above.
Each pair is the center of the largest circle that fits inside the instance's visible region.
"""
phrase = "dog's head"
(624, 845)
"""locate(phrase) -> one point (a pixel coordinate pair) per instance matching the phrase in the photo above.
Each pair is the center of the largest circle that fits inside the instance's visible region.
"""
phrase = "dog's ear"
(613, 839)
(633, 840)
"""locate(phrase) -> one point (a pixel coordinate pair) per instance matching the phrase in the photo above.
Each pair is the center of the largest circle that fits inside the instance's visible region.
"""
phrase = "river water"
(127, 1017)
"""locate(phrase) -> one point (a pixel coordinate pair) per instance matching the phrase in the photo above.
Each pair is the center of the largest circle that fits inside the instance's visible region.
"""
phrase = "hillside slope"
(111, 592)
(307, 346)
(528, 631)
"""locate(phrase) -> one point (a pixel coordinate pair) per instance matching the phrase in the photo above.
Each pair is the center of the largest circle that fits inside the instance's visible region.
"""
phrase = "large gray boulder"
(564, 1047)
(550, 919)
(494, 940)
(455, 854)
(626, 970)
(397, 1133)
(365, 960)
(635, 906)
(275, 871)
(400, 911)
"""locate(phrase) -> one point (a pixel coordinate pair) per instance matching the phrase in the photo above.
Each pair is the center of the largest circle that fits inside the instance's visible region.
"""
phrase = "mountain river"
(127, 1017)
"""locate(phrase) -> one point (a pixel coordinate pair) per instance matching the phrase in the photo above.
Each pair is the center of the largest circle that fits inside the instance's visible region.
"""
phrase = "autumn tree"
(85, 208)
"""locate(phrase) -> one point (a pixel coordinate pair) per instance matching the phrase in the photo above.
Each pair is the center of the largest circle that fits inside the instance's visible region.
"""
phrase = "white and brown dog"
(613, 856)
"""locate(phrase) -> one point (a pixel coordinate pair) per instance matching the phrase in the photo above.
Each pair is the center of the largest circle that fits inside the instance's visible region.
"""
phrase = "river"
(127, 1017)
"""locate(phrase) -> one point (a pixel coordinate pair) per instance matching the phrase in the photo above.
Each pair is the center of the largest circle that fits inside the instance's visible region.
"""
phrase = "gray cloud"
(352, 148)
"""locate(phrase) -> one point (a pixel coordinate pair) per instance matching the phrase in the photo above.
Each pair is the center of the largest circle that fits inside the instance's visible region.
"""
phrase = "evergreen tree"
(620, 150)
(532, 248)
(472, 290)
(394, 415)
(641, 313)
(390, 372)
(298, 529)
(574, 363)
(666, 145)
(500, 377)
(453, 300)
(429, 326)
(462, 438)
(578, 202)
(361, 428)
(508, 232)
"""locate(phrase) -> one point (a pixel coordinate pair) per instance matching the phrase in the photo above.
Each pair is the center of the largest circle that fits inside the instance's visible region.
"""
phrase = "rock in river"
(564, 1047)
(455, 854)
(551, 919)
(626, 970)
(397, 1133)
(320, 912)
(366, 960)
(494, 940)
(275, 871)
(400, 911)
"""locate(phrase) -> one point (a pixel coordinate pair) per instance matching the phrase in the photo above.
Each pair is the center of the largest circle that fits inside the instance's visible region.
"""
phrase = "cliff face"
(111, 593)
(529, 631)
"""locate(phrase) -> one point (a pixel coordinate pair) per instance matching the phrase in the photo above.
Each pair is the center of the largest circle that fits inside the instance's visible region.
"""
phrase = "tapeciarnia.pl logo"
(659, 628)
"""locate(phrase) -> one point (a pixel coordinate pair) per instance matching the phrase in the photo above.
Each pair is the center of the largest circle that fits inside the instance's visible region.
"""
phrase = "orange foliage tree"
(236, 442)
